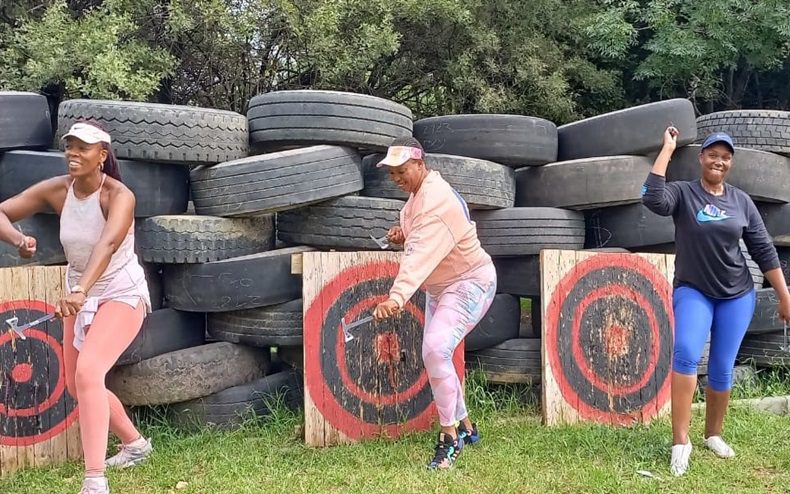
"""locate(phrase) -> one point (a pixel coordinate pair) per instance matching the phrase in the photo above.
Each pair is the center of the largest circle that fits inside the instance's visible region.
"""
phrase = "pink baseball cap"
(398, 155)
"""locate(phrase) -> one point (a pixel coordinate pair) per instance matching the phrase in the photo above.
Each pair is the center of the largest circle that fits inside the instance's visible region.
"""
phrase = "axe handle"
(35, 323)
(358, 323)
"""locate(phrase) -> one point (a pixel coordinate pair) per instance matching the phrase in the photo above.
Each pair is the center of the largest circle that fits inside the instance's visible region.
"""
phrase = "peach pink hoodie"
(441, 241)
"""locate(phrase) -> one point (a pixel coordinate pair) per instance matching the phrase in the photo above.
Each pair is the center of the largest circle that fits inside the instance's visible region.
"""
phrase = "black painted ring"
(582, 383)
(39, 407)
(363, 373)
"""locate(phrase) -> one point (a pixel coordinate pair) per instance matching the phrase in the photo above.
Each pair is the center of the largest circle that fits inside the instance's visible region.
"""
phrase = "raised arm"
(657, 195)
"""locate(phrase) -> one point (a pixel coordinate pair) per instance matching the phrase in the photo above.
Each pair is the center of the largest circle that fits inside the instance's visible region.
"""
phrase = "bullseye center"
(22, 373)
(387, 348)
(616, 339)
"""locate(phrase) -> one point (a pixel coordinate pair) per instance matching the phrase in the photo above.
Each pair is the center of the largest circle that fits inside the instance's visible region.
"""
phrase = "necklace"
(711, 191)
(82, 195)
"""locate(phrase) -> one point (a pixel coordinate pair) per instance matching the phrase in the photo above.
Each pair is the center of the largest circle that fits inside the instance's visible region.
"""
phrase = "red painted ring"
(579, 355)
(59, 392)
(352, 315)
(315, 381)
(553, 312)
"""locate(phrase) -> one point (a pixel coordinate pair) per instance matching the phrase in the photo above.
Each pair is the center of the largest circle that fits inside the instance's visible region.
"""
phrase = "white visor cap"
(87, 133)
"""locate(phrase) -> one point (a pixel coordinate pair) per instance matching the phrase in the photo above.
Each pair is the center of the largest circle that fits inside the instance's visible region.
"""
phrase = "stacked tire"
(225, 200)
(214, 260)
(296, 191)
(25, 132)
(761, 168)
(476, 154)
(596, 179)
(561, 173)
(171, 361)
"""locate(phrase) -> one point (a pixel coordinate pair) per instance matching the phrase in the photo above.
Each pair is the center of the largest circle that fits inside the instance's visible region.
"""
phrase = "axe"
(382, 242)
(19, 330)
(347, 327)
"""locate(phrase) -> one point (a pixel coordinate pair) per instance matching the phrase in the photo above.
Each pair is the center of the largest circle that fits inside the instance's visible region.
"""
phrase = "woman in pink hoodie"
(442, 252)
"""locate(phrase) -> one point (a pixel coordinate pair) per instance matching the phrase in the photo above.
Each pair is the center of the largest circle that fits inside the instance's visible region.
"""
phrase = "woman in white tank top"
(106, 296)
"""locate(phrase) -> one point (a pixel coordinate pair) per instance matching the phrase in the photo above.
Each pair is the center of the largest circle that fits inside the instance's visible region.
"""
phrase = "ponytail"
(110, 166)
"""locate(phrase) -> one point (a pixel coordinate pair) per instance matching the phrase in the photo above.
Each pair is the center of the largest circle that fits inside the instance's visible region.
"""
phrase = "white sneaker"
(131, 455)
(719, 447)
(95, 485)
(680, 459)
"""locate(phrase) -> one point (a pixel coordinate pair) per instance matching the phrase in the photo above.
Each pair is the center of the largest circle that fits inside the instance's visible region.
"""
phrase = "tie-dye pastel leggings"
(448, 318)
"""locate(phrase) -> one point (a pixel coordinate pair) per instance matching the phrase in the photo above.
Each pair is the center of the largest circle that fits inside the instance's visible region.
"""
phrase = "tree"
(436, 56)
(715, 52)
(92, 55)
(451, 56)
(557, 59)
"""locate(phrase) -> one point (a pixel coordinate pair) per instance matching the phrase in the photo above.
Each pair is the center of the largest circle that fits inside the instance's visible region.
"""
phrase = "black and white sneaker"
(446, 452)
(469, 437)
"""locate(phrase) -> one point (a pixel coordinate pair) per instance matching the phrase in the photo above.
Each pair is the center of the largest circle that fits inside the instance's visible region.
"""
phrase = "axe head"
(381, 242)
(12, 326)
(347, 336)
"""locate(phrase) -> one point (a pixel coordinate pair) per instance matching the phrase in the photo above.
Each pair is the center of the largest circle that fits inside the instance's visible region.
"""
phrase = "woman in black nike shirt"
(713, 290)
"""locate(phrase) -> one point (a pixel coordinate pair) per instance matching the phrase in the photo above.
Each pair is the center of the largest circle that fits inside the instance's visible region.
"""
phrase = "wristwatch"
(77, 289)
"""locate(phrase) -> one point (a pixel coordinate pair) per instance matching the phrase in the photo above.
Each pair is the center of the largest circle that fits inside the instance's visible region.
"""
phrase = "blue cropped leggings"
(697, 316)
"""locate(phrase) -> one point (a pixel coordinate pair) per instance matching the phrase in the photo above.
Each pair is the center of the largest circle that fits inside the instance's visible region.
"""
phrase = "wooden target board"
(607, 336)
(38, 416)
(376, 384)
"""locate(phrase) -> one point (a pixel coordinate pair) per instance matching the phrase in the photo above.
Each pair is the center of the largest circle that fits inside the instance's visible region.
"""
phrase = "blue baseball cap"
(718, 137)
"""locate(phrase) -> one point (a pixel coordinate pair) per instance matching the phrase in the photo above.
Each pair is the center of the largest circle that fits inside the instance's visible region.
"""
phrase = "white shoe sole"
(128, 464)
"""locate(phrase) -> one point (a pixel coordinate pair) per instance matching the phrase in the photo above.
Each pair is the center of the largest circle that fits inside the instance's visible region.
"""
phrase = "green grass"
(770, 382)
(517, 455)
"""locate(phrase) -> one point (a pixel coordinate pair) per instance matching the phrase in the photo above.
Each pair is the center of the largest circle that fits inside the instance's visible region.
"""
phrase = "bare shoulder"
(116, 194)
(117, 189)
(53, 190)
(60, 183)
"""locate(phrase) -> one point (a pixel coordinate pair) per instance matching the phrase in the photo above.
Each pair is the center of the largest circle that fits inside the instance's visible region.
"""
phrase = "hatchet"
(381, 242)
(347, 327)
(20, 330)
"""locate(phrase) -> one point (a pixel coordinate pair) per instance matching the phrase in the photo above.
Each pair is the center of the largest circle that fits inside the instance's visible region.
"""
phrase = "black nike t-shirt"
(707, 231)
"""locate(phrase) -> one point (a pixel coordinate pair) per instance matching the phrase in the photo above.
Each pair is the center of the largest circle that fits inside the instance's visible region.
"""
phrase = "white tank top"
(81, 224)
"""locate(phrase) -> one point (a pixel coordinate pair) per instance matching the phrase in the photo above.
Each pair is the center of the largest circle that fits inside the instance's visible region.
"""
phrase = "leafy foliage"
(92, 55)
(558, 59)
(714, 51)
